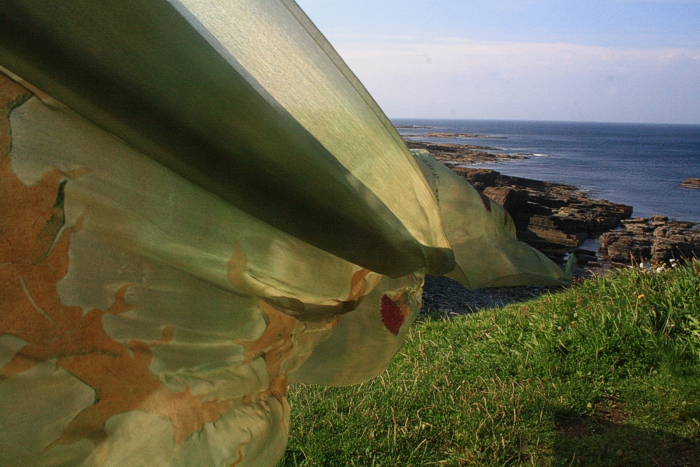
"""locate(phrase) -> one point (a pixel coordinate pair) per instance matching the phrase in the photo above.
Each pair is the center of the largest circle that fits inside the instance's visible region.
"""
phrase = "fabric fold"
(200, 203)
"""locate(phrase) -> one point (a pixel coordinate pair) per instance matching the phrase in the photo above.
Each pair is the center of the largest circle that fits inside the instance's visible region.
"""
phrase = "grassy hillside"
(606, 373)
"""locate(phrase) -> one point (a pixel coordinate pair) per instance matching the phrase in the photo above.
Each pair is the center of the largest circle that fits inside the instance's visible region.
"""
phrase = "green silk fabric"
(199, 205)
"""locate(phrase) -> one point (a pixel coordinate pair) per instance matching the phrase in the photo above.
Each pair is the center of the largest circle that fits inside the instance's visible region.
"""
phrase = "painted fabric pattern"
(152, 311)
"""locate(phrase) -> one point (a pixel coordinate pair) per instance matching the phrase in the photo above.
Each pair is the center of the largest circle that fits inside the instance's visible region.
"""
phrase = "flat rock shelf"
(554, 218)
(691, 183)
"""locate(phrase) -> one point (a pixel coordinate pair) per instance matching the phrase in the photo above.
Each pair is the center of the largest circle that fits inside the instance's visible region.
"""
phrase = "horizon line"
(543, 121)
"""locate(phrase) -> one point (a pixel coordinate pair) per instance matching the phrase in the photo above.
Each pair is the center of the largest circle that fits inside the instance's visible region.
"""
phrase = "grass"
(606, 373)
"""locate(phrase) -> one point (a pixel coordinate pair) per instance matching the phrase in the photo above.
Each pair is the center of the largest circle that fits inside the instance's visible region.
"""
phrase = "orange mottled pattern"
(188, 412)
(275, 344)
(33, 257)
(358, 285)
(237, 267)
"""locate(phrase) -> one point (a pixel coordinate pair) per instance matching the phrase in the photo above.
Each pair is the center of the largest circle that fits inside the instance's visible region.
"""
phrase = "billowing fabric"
(488, 254)
(164, 268)
(246, 99)
(478, 228)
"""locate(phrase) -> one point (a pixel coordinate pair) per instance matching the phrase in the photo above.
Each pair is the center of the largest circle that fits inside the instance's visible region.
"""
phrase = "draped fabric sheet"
(152, 310)
(246, 99)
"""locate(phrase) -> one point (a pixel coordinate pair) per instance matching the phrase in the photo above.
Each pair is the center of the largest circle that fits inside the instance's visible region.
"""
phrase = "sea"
(641, 165)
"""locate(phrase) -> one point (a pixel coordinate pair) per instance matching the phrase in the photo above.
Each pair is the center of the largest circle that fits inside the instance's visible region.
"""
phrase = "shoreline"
(556, 219)
(454, 153)
(550, 216)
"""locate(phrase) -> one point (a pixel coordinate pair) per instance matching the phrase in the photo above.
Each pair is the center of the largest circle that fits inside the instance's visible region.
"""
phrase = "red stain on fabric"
(392, 315)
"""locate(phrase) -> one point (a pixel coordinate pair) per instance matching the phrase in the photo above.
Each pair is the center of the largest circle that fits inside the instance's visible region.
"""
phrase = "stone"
(675, 240)
(480, 178)
(553, 217)
(624, 247)
(691, 183)
(656, 240)
(450, 153)
(584, 256)
(556, 218)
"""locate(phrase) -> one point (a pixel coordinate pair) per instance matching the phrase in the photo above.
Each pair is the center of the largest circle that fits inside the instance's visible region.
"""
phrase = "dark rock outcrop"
(691, 183)
(441, 134)
(460, 153)
(553, 217)
(656, 240)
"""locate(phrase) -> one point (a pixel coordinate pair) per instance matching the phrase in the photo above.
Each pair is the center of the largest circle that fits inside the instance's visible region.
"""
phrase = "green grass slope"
(606, 373)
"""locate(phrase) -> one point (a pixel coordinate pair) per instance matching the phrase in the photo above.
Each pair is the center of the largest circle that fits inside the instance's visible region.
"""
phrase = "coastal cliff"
(557, 218)
(656, 239)
(553, 217)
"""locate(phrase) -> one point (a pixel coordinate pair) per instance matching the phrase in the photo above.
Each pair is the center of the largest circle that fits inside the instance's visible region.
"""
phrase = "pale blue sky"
(614, 60)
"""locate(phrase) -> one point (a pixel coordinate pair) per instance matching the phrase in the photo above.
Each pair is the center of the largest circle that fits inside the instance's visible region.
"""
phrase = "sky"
(560, 60)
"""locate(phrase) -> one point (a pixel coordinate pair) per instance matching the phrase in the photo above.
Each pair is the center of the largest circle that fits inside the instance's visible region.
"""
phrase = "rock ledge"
(691, 183)
(654, 239)
(553, 217)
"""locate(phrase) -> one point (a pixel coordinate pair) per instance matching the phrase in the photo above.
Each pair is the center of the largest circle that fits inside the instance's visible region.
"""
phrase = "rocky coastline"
(451, 153)
(556, 219)
(656, 240)
(552, 217)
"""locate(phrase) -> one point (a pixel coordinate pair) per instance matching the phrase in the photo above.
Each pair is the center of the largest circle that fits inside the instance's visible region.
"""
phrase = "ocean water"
(641, 165)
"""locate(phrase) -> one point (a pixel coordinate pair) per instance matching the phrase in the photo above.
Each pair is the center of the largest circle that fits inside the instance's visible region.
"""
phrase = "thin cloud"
(477, 79)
